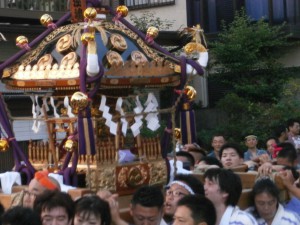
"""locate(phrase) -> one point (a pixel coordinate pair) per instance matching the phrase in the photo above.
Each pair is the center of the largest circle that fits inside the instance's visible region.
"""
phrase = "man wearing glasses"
(183, 185)
(38, 185)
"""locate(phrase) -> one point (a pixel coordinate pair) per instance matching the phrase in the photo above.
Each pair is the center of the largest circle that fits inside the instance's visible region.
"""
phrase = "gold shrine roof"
(127, 61)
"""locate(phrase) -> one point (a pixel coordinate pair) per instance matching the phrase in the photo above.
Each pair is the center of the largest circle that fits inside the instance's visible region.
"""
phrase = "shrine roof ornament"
(126, 56)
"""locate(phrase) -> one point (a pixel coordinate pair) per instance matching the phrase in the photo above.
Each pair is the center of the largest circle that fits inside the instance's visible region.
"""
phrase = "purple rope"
(81, 138)
(82, 70)
(74, 162)
(93, 92)
(4, 120)
(167, 136)
(38, 39)
(183, 72)
(91, 131)
(67, 160)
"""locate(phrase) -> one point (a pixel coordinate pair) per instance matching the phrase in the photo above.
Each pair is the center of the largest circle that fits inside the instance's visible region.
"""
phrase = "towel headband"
(185, 186)
(43, 179)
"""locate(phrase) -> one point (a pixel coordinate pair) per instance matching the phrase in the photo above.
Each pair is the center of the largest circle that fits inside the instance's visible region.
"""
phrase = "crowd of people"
(185, 199)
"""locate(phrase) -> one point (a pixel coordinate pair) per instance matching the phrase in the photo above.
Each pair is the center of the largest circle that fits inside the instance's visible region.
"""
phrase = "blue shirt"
(248, 155)
(212, 154)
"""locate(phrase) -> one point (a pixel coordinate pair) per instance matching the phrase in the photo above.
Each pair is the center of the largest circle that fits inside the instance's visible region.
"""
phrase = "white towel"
(59, 178)
(8, 179)
(180, 169)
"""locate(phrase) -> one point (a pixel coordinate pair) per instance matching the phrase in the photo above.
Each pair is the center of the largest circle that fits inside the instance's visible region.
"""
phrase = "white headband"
(185, 186)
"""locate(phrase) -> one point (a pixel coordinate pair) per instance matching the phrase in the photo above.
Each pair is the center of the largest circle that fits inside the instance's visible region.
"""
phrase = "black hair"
(189, 157)
(295, 173)
(235, 146)
(288, 152)
(21, 216)
(93, 205)
(198, 150)
(218, 135)
(263, 185)
(202, 209)
(272, 138)
(229, 183)
(278, 130)
(52, 199)
(148, 196)
(209, 160)
(291, 122)
(194, 183)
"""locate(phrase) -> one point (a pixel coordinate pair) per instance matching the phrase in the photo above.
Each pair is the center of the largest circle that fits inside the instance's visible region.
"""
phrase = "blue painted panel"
(291, 10)
(278, 11)
(257, 9)
(212, 16)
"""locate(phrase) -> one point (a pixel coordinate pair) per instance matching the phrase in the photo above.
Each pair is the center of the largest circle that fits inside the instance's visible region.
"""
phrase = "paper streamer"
(152, 118)
(68, 107)
(123, 120)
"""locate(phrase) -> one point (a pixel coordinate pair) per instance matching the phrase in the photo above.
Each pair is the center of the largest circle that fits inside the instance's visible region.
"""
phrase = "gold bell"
(177, 132)
(4, 146)
(86, 37)
(191, 93)
(70, 145)
(122, 10)
(21, 40)
(90, 13)
(194, 47)
(79, 101)
(46, 19)
(152, 32)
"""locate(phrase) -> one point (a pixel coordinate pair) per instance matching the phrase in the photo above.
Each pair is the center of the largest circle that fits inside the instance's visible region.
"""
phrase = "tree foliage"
(148, 18)
(243, 45)
(245, 57)
(262, 94)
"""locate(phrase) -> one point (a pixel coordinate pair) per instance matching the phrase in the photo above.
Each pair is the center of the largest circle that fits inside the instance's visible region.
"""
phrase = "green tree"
(148, 18)
(245, 57)
(262, 92)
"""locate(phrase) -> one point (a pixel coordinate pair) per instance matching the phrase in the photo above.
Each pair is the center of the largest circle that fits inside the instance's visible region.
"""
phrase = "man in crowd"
(223, 188)
(281, 133)
(217, 141)
(286, 168)
(231, 156)
(55, 208)
(195, 210)
(187, 160)
(253, 153)
(20, 216)
(293, 136)
(286, 155)
(293, 126)
(141, 209)
(146, 206)
(38, 185)
(195, 150)
(183, 185)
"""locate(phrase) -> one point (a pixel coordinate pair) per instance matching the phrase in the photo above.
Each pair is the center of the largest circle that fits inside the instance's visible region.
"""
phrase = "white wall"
(23, 131)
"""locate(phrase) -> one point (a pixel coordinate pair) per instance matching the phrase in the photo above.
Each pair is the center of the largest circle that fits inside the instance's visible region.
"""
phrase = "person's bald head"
(37, 186)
